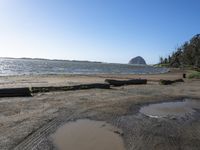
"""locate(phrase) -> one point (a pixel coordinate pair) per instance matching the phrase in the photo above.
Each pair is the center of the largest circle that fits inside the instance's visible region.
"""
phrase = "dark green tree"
(186, 55)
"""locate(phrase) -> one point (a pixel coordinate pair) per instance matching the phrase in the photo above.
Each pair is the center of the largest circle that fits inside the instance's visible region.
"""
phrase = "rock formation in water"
(138, 61)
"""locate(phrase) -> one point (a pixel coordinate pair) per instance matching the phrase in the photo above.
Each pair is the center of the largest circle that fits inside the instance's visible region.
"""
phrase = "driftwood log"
(167, 82)
(126, 82)
(68, 88)
(184, 75)
(15, 92)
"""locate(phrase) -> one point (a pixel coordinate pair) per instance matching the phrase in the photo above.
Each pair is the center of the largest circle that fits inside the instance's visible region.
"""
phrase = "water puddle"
(171, 109)
(88, 135)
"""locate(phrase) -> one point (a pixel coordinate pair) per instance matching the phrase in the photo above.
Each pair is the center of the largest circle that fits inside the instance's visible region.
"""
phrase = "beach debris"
(125, 82)
(15, 92)
(22, 92)
(68, 88)
(167, 82)
(184, 75)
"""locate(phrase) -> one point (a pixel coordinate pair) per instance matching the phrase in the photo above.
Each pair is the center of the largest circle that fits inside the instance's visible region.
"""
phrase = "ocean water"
(39, 66)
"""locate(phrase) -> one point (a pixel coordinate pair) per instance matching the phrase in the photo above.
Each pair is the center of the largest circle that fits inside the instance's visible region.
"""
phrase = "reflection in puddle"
(88, 135)
(171, 109)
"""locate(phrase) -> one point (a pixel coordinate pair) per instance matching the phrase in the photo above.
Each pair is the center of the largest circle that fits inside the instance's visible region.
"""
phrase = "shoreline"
(84, 74)
(15, 81)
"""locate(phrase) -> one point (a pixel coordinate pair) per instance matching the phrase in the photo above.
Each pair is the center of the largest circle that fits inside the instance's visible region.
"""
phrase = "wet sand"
(29, 122)
(64, 80)
(87, 134)
(176, 109)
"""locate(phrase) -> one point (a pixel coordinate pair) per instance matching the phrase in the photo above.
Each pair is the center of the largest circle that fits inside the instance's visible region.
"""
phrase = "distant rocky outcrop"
(138, 61)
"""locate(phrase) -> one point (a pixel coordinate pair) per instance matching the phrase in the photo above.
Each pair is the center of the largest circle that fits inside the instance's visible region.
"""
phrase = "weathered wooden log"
(15, 92)
(184, 75)
(126, 82)
(167, 82)
(68, 88)
(179, 80)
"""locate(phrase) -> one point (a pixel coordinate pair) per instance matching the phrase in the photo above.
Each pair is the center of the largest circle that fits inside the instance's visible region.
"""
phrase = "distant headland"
(137, 61)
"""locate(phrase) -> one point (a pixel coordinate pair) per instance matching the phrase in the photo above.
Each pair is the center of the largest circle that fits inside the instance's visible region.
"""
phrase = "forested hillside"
(187, 55)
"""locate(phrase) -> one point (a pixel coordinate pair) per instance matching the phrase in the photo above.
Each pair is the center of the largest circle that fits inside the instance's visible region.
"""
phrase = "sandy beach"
(27, 122)
(99, 75)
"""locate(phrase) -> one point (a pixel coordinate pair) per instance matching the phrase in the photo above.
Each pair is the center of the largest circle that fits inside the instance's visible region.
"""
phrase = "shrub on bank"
(194, 75)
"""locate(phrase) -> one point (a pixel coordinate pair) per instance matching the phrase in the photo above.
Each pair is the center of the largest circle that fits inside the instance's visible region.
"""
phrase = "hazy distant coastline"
(27, 58)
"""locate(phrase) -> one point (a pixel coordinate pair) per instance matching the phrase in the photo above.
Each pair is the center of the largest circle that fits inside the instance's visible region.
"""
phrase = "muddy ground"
(26, 123)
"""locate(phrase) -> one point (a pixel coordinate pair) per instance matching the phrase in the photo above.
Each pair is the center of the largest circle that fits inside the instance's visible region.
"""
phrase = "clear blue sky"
(97, 30)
